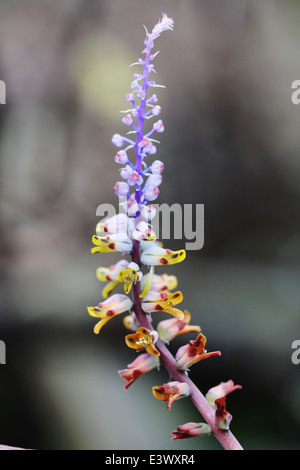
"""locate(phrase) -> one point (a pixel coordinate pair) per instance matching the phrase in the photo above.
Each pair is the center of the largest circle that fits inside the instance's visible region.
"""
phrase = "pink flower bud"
(135, 179)
(129, 97)
(127, 120)
(141, 94)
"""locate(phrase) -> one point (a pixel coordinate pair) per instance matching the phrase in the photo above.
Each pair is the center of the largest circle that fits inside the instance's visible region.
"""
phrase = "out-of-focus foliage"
(232, 143)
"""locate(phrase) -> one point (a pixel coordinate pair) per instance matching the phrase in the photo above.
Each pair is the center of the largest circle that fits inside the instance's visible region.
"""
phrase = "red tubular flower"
(188, 430)
(193, 352)
(171, 392)
(221, 390)
(222, 417)
(169, 329)
(142, 364)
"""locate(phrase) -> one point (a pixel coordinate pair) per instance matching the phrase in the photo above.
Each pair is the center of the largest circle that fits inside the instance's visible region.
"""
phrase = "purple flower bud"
(154, 180)
(157, 167)
(129, 97)
(141, 94)
(118, 140)
(151, 192)
(126, 172)
(151, 149)
(131, 206)
(151, 68)
(159, 126)
(121, 157)
(156, 110)
(135, 85)
(153, 99)
(148, 212)
(121, 189)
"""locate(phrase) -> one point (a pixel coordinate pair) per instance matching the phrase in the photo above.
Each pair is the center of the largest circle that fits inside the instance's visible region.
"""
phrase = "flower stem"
(226, 438)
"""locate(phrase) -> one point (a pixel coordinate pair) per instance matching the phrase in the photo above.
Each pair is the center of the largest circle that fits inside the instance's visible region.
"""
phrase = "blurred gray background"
(232, 143)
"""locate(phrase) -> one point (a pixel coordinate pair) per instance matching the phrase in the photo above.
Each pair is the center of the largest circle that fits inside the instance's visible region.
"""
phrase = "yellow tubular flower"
(159, 282)
(148, 283)
(111, 274)
(109, 288)
(156, 255)
(129, 276)
(161, 301)
(171, 392)
(108, 309)
(111, 243)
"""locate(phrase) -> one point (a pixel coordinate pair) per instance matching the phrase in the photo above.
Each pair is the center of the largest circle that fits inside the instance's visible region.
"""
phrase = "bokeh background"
(232, 143)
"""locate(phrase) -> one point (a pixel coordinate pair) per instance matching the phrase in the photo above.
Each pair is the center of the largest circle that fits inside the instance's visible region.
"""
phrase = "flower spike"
(131, 233)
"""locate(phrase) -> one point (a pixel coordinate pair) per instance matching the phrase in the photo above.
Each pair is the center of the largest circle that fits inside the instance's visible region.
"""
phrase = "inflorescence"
(130, 233)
